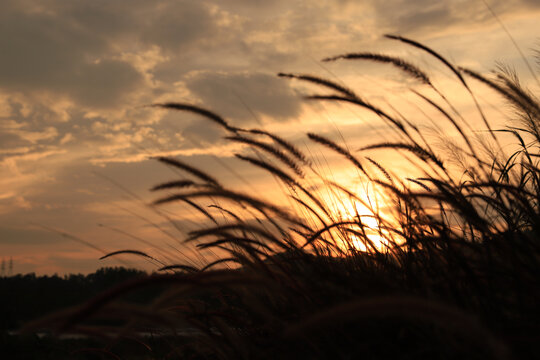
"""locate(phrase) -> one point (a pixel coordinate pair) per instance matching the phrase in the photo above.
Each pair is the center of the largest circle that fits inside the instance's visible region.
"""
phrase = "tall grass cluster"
(449, 269)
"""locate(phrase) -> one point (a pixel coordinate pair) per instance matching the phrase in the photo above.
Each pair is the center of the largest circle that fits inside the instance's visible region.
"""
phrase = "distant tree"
(32, 296)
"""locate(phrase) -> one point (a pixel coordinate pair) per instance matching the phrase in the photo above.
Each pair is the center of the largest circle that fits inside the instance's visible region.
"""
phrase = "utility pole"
(3, 267)
(10, 268)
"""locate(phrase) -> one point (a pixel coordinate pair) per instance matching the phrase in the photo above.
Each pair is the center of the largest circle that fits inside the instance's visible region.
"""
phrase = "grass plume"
(440, 265)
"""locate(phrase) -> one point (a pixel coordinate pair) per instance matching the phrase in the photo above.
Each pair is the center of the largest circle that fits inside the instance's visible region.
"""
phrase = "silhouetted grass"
(450, 270)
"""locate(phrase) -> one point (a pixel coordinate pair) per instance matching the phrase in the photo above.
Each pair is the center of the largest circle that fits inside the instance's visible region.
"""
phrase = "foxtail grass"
(448, 268)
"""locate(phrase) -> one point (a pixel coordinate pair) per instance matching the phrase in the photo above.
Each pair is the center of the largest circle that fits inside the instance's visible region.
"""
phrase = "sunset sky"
(76, 135)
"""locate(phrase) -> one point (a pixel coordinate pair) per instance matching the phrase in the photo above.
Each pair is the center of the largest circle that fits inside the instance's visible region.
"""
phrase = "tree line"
(27, 297)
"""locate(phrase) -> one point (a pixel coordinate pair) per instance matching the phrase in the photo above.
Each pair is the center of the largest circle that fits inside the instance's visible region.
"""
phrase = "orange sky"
(75, 136)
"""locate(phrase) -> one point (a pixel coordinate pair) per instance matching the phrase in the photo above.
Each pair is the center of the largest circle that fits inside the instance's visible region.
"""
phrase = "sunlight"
(355, 235)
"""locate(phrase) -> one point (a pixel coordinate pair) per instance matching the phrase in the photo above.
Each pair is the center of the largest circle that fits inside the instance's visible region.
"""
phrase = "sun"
(364, 232)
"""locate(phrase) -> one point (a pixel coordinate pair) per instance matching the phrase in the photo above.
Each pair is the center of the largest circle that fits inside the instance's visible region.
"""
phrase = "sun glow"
(362, 228)
(366, 234)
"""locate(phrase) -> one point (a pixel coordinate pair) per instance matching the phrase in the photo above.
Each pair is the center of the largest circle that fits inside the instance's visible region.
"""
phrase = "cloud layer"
(76, 76)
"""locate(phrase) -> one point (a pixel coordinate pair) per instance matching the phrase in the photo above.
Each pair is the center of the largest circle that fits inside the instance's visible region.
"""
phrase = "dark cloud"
(69, 48)
(46, 52)
(200, 133)
(245, 96)
(10, 141)
(535, 4)
(108, 19)
(178, 25)
(419, 16)
(41, 50)
(169, 24)
(105, 83)
(29, 236)
(405, 16)
(254, 3)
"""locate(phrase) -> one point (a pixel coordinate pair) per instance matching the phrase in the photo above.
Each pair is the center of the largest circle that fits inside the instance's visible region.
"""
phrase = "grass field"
(448, 269)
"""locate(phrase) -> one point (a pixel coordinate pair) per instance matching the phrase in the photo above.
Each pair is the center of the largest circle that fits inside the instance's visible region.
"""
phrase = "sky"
(77, 136)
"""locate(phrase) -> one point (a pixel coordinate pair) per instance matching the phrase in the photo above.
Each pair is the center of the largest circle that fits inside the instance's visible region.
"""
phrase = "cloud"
(172, 25)
(245, 96)
(80, 50)
(45, 52)
(105, 83)
(176, 25)
(75, 76)
(420, 16)
(29, 236)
